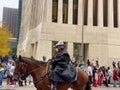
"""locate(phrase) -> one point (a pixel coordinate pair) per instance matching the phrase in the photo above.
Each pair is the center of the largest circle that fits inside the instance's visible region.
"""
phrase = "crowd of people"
(97, 75)
(103, 75)
(7, 66)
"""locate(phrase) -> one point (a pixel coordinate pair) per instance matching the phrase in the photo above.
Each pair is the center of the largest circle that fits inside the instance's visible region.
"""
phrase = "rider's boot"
(53, 85)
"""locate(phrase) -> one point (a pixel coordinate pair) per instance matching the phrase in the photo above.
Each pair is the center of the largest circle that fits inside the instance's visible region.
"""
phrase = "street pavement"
(8, 87)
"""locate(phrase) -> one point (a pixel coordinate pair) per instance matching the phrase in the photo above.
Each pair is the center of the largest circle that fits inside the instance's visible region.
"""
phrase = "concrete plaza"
(8, 87)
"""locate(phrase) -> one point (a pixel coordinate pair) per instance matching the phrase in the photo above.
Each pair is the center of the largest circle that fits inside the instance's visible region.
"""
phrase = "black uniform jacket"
(61, 71)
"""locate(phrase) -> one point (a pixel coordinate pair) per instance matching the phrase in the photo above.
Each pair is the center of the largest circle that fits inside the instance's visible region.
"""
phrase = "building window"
(95, 12)
(53, 44)
(85, 11)
(105, 13)
(75, 11)
(77, 51)
(54, 10)
(65, 11)
(115, 5)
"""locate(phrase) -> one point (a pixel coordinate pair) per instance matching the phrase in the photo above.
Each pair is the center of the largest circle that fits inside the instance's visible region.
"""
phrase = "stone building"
(46, 21)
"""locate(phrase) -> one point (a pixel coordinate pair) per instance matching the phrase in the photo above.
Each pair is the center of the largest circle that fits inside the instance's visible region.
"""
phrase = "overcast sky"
(7, 3)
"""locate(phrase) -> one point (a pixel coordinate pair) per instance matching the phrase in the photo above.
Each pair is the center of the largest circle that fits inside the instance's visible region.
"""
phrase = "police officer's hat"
(59, 43)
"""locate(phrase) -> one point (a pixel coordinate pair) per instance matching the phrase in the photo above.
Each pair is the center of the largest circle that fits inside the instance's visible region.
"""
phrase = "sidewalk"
(27, 87)
(17, 87)
(12, 87)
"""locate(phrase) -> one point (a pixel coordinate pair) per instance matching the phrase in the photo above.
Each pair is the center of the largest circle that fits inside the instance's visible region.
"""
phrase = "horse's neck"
(36, 70)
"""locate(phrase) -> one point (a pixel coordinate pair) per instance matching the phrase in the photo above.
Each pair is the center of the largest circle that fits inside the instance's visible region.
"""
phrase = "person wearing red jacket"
(115, 76)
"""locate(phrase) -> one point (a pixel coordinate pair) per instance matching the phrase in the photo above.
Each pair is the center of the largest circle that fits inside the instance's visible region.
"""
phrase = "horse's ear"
(20, 58)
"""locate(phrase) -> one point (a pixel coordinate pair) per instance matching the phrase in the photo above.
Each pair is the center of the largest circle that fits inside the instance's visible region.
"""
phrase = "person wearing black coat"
(60, 71)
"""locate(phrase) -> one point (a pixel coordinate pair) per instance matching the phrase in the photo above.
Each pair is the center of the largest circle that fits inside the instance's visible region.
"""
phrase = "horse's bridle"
(24, 75)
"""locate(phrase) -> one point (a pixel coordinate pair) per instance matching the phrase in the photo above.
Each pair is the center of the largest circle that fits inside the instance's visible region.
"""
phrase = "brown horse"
(37, 69)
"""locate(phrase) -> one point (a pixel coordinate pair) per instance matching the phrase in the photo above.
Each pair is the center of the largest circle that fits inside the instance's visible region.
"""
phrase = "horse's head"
(21, 69)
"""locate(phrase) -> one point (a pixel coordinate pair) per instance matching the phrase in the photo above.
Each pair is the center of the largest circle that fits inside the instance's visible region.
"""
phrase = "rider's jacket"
(61, 58)
(61, 70)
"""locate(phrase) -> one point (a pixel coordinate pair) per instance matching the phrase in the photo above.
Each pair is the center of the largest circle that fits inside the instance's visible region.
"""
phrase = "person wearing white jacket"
(11, 70)
(90, 73)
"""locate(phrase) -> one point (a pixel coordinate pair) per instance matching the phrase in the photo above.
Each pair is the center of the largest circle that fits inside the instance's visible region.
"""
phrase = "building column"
(118, 1)
(70, 11)
(60, 11)
(80, 8)
(110, 13)
(100, 13)
(42, 50)
(70, 49)
(90, 12)
(49, 10)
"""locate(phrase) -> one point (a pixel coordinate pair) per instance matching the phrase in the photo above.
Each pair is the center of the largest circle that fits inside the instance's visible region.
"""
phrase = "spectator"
(94, 71)
(88, 62)
(100, 76)
(6, 58)
(20, 82)
(90, 73)
(1, 74)
(11, 74)
(110, 75)
(106, 78)
(118, 64)
(44, 58)
(7, 72)
(1, 59)
(114, 64)
(103, 70)
(95, 84)
(30, 79)
(82, 67)
(97, 64)
(14, 57)
(115, 76)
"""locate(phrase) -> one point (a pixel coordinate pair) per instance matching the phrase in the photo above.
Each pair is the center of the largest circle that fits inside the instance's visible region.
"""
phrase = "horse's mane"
(36, 61)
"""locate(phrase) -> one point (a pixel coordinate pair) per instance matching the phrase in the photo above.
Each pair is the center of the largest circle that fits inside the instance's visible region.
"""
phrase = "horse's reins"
(40, 79)
(43, 77)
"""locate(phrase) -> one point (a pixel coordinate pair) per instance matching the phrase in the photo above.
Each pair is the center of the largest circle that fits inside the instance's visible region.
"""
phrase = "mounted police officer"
(61, 70)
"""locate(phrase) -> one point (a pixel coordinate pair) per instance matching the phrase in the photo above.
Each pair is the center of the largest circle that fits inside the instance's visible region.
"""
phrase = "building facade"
(46, 21)
(10, 17)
